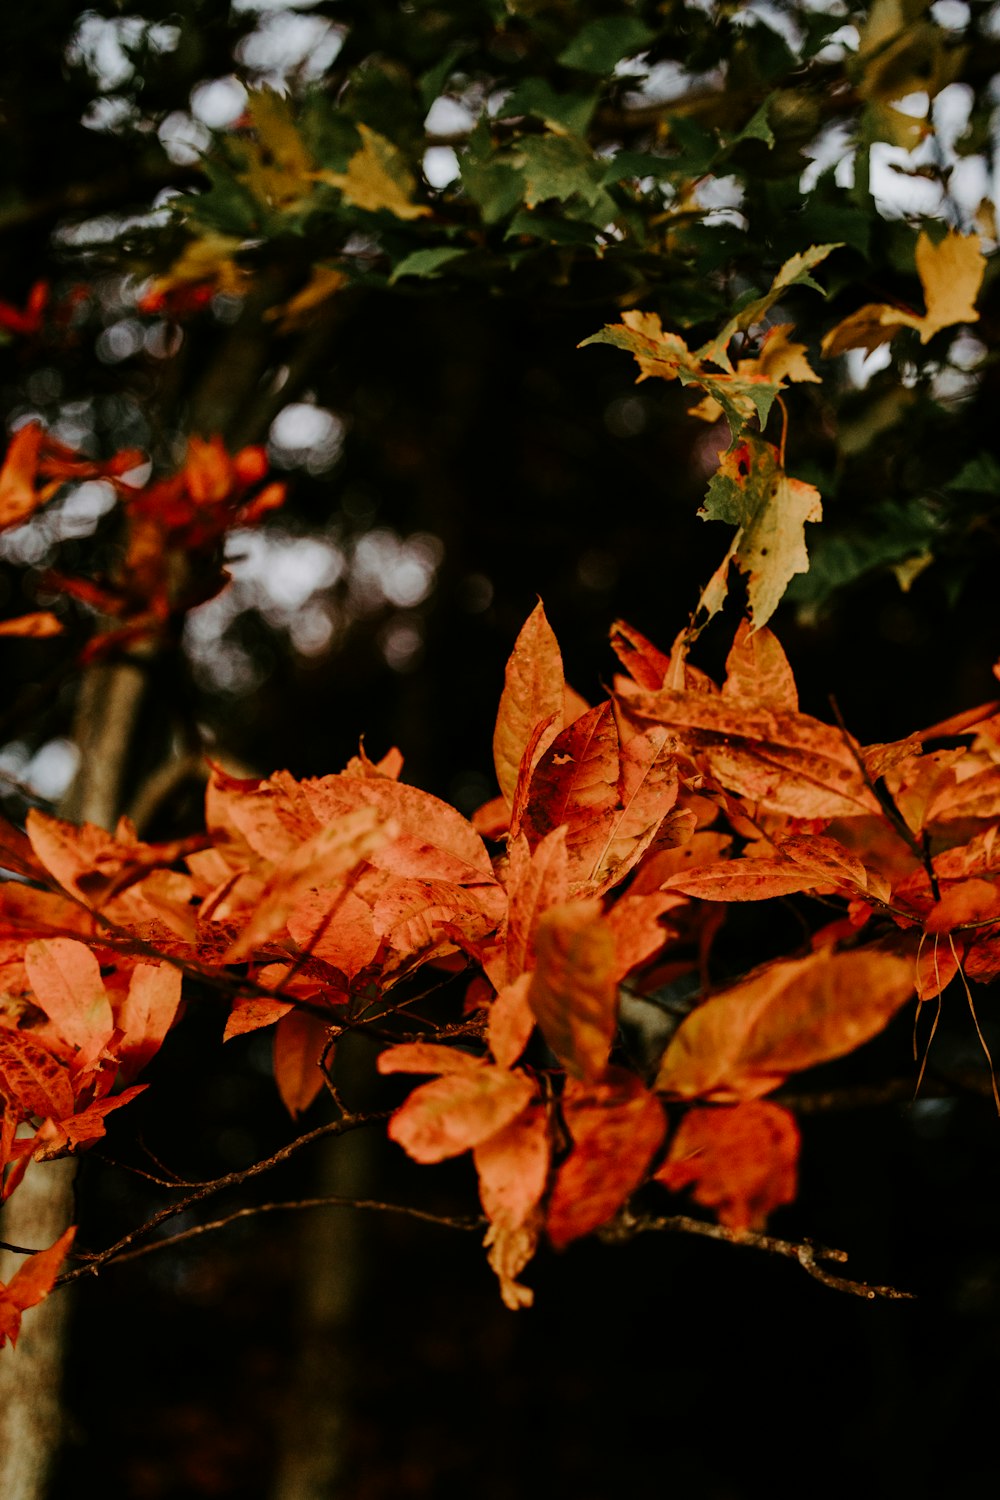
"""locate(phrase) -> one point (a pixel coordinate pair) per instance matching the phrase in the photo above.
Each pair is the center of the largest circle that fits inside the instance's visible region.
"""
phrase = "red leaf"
(61, 1137)
(644, 663)
(533, 692)
(513, 1166)
(617, 1127)
(31, 1283)
(742, 1161)
(573, 991)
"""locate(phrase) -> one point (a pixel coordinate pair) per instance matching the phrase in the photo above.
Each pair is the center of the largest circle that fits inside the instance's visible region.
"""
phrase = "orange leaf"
(536, 880)
(795, 1013)
(37, 626)
(61, 1137)
(428, 1057)
(299, 1040)
(804, 864)
(785, 762)
(324, 859)
(513, 1165)
(30, 1284)
(741, 1160)
(511, 1021)
(457, 1112)
(757, 671)
(32, 1080)
(644, 663)
(154, 993)
(66, 979)
(617, 1127)
(533, 691)
(573, 991)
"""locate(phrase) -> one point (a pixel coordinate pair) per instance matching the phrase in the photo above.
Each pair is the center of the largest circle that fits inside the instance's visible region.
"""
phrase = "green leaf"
(604, 42)
(425, 262)
(488, 176)
(570, 111)
(980, 475)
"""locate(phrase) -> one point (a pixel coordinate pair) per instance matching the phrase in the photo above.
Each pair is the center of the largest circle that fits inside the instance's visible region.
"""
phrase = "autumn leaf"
(536, 880)
(66, 979)
(790, 1015)
(30, 1284)
(511, 1021)
(533, 693)
(951, 274)
(37, 626)
(740, 1160)
(785, 762)
(802, 864)
(616, 1127)
(573, 991)
(61, 1137)
(377, 178)
(512, 1166)
(611, 797)
(299, 1041)
(33, 1081)
(758, 673)
(458, 1111)
(752, 492)
(147, 1013)
(324, 860)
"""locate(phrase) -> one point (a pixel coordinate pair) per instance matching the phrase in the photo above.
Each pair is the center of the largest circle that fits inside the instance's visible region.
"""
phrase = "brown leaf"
(793, 1014)
(533, 691)
(573, 991)
(741, 1160)
(617, 1127)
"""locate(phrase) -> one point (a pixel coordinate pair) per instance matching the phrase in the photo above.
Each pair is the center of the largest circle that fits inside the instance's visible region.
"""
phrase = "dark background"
(664, 1363)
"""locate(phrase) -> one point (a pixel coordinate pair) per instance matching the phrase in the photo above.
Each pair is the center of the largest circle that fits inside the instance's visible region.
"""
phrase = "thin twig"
(626, 1226)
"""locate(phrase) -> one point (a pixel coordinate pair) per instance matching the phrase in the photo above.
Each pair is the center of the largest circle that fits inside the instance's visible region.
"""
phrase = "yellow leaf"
(377, 177)
(279, 167)
(321, 286)
(951, 274)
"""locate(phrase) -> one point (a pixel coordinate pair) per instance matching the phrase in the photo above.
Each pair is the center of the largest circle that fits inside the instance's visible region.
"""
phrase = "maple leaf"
(30, 1284)
(616, 1126)
(573, 992)
(741, 1161)
(377, 178)
(951, 274)
(752, 492)
(533, 693)
(790, 1015)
